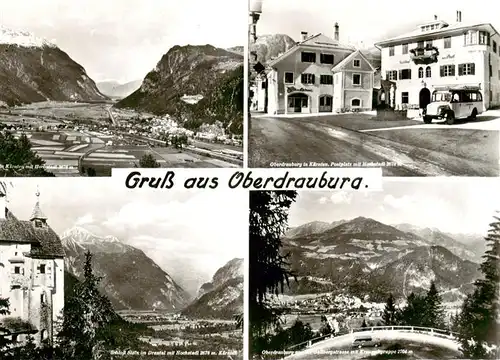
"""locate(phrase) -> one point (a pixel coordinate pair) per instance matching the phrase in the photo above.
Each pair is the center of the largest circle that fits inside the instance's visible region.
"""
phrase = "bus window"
(456, 97)
(473, 96)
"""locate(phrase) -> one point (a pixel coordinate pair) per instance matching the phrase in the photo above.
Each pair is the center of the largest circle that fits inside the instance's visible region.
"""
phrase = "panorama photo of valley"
(87, 88)
(411, 272)
(122, 276)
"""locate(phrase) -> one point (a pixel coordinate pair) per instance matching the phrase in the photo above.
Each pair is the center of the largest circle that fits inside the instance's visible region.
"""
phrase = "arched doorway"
(325, 103)
(297, 102)
(424, 98)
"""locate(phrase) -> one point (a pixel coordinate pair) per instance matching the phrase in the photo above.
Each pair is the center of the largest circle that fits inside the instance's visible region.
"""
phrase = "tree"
(269, 269)
(325, 328)
(478, 323)
(434, 312)
(91, 172)
(4, 342)
(148, 161)
(363, 325)
(18, 159)
(413, 313)
(390, 315)
(87, 315)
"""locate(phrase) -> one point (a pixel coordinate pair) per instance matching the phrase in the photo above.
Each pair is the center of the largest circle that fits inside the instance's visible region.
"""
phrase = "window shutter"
(409, 73)
(313, 79)
(473, 69)
(441, 71)
(387, 75)
(452, 70)
(460, 70)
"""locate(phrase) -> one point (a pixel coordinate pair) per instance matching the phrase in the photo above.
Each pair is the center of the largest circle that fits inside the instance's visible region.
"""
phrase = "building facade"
(318, 75)
(31, 275)
(441, 55)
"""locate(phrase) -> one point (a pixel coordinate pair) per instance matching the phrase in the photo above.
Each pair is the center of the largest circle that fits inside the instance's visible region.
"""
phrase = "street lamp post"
(254, 11)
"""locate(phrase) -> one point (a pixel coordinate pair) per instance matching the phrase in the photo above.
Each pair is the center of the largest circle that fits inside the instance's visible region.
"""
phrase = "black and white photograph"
(108, 273)
(410, 272)
(353, 84)
(94, 85)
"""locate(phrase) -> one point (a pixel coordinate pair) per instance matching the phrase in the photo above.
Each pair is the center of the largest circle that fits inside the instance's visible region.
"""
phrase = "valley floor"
(73, 137)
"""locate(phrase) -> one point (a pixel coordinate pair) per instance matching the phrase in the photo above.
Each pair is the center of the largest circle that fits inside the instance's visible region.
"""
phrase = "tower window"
(41, 269)
(38, 223)
(42, 298)
(17, 269)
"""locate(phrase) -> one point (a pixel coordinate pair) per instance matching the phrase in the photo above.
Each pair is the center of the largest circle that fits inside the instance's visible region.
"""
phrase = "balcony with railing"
(424, 55)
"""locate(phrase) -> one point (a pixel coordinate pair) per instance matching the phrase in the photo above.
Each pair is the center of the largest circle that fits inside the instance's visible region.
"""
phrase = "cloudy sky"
(181, 231)
(457, 206)
(365, 20)
(124, 39)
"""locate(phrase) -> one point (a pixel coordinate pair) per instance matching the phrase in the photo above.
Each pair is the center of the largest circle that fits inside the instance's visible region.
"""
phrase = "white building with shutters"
(438, 54)
(31, 275)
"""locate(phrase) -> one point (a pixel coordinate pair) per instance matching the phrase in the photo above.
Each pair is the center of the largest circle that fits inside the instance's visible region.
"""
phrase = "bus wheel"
(427, 119)
(450, 118)
(473, 115)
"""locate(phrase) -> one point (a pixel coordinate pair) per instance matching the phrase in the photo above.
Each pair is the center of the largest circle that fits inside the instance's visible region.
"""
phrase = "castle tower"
(37, 217)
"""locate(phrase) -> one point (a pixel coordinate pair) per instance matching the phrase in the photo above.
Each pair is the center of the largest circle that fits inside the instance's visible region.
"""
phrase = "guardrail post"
(411, 329)
(309, 343)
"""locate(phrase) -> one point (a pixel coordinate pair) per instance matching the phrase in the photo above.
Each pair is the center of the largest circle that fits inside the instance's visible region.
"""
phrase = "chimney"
(336, 34)
(435, 17)
(303, 34)
(459, 16)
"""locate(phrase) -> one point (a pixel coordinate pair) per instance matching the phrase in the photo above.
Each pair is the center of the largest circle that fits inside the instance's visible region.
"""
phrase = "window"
(356, 63)
(428, 72)
(356, 79)
(42, 298)
(263, 85)
(326, 79)
(494, 47)
(355, 102)
(326, 59)
(404, 98)
(42, 268)
(405, 74)
(447, 42)
(447, 70)
(307, 79)
(428, 44)
(391, 50)
(466, 69)
(289, 78)
(491, 71)
(325, 100)
(420, 44)
(17, 269)
(391, 75)
(420, 72)
(405, 49)
(484, 38)
(308, 57)
(38, 223)
(470, 38)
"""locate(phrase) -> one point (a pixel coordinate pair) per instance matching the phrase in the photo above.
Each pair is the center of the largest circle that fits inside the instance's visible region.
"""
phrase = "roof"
(442, 31)
(318, 40)
(341, 65)
(37, 213)
(45, 242)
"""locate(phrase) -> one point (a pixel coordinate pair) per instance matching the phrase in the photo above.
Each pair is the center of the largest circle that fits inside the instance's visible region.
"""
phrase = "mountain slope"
(215, 74)
(366, 257)
(130, 279)
(271, 46)
(32, 70)
(222, 298)
(117, 90)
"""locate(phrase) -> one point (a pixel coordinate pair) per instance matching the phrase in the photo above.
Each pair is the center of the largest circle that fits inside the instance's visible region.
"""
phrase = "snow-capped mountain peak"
(83, 236)
(22, 38)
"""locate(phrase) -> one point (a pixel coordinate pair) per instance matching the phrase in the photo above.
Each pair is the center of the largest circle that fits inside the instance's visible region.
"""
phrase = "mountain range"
(221, 298)
(116, 90)
(366, 257)
(33, 69)
(213, 75)
(130, 279)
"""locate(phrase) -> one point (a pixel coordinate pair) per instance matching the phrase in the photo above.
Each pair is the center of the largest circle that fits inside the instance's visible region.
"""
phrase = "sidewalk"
(302, 115)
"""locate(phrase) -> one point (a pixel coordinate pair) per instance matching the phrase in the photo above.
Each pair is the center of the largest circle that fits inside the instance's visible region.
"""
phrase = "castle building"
(318, 75)
(440, 55)
(31, 275)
